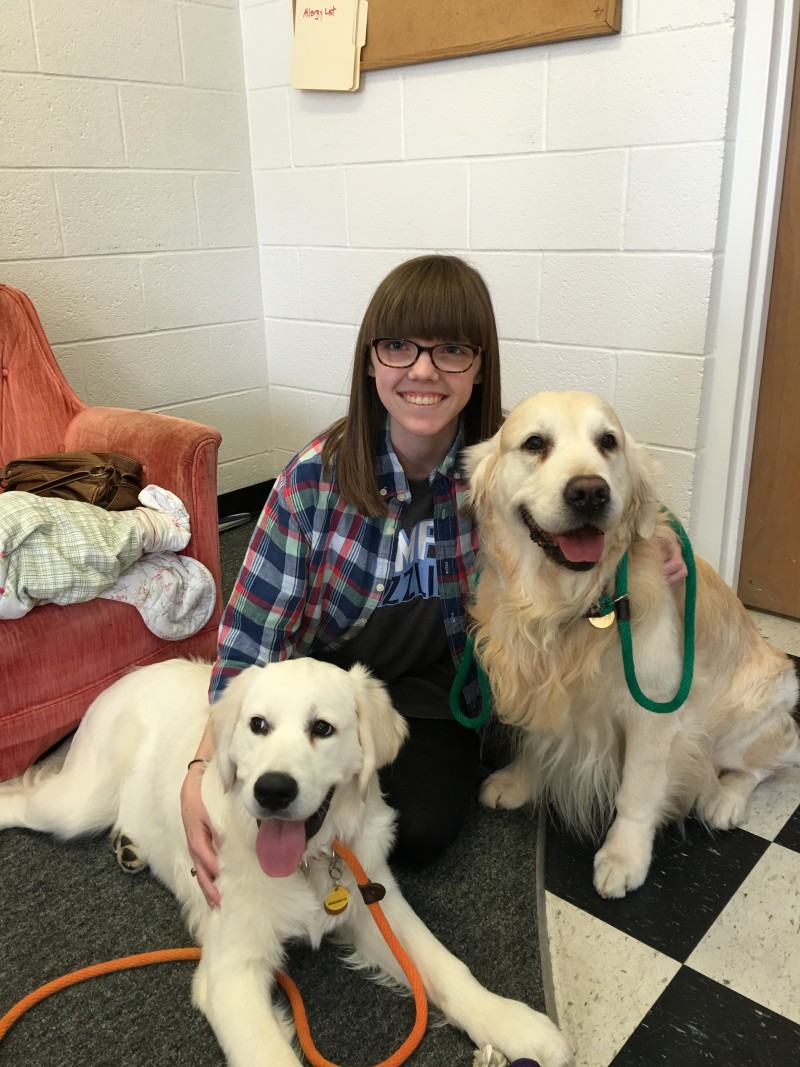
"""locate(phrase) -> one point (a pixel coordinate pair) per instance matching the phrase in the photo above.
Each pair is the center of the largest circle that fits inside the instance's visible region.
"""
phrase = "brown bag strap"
(65, 479)
(125, 463)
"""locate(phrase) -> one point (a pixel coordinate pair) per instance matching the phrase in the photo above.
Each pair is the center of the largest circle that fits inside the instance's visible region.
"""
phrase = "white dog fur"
(325, 729)
(562, 474)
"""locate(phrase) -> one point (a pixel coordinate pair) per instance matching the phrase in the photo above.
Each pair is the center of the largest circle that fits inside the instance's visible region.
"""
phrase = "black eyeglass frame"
(474, 349)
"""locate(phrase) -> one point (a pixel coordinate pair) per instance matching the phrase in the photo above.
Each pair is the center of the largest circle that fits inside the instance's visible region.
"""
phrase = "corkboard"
(400, 32)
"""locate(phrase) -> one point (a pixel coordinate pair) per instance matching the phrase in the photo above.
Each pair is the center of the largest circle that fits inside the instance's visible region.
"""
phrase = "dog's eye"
(535, 443)
(608, 442)
(259, 725)
(320, 728)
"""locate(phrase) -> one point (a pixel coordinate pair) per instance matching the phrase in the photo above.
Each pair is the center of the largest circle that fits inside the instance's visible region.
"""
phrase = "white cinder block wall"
(583, 179)
(126, 208)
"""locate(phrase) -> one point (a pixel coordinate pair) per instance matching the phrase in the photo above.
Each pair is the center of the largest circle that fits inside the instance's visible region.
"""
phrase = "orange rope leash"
(171, 955)
(409, 970)
(167, 955)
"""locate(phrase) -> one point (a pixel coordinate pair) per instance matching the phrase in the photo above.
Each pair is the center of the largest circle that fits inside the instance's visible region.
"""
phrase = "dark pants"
(434, 780)
(431, 784)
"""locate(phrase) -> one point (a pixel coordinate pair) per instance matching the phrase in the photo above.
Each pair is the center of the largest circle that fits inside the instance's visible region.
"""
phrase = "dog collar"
(314, 822)
(607, 610)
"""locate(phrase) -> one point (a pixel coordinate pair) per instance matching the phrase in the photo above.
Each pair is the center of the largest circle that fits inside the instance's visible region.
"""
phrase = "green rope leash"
(622, 607)
(619, 604)
(474, 722)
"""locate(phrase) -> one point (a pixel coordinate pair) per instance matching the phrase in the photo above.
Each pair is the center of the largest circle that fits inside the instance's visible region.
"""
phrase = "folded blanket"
(175, 595)
(66, 552)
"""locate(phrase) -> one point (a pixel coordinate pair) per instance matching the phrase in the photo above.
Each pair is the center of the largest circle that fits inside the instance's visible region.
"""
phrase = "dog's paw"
(523, 1034)
(724, 812)
(726, 807)
(128, 854)
(507, 788)
(616, 873)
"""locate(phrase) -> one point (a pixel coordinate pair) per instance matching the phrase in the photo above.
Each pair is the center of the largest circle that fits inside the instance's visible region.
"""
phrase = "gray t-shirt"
(404, 641)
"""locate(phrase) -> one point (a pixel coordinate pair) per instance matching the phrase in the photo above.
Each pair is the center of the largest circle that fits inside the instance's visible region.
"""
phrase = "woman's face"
(424, 404)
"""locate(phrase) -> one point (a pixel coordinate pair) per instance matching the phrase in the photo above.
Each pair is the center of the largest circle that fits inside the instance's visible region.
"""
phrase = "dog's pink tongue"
(581, 546)
(280, 845)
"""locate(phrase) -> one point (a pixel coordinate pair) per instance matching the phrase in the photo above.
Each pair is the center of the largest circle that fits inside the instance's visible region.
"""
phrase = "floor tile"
(604, 981)
(754, 946)
(692, 878)
(789, 836)
(778, 630)
(773, 803)
(697, 1022)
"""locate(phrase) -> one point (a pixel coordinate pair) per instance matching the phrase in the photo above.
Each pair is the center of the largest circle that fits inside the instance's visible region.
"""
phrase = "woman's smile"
(421, 399)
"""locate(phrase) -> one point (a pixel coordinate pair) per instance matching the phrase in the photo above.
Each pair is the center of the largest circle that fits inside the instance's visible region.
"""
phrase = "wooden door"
(769, 576)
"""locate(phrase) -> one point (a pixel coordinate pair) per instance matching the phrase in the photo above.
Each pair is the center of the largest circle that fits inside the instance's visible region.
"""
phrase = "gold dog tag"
(602, 622)
(337, 900)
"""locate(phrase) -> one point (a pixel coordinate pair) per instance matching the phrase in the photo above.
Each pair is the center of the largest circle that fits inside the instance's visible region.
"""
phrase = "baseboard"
(249, 500)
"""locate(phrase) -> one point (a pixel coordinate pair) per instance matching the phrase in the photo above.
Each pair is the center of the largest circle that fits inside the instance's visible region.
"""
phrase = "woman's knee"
(421, 837)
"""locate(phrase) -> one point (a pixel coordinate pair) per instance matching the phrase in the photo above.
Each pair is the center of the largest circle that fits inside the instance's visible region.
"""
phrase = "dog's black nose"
(587, 494)
(275, 791)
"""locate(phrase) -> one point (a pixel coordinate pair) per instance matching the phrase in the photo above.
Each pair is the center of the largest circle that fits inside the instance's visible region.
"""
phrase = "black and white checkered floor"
(701, 966)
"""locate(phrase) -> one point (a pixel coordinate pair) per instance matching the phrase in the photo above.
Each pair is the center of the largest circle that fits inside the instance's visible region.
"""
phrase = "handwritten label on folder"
(327, 45)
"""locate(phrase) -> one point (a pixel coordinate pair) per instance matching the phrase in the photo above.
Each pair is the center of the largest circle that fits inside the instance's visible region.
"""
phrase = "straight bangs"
(438, 301)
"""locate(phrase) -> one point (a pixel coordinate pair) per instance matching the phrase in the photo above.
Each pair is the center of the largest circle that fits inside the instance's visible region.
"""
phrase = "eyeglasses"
(452, 357)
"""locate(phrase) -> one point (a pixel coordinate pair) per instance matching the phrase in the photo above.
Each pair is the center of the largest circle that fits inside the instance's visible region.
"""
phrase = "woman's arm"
(200, 836)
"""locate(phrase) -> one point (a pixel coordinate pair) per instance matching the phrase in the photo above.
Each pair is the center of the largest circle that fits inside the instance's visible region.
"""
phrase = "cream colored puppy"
(561, 493)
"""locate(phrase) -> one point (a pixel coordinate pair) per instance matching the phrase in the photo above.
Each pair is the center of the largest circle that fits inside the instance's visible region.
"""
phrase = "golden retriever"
(297, 748)
(560, 494)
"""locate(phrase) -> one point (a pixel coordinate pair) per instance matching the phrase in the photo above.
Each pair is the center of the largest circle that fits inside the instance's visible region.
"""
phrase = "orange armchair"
(55, 660)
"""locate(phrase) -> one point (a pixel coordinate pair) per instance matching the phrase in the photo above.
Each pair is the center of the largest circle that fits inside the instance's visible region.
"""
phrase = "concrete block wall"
(127, 210)
(142, 140)
(583, 179)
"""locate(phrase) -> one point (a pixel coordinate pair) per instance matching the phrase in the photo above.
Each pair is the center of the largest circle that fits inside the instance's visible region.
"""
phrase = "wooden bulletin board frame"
(401, 32)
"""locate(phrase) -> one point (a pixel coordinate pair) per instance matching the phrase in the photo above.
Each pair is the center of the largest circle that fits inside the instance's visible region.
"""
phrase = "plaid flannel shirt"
(315, 568)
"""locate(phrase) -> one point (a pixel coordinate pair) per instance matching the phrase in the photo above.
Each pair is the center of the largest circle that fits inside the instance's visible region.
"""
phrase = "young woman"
(364, 551)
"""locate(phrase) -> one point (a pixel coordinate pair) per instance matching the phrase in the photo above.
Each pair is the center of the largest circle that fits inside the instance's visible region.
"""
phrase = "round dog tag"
(337, 900)
(602, 622)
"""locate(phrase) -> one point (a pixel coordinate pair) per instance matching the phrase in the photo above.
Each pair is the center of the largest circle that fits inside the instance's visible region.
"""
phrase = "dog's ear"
(480, 464)
(224, 716)
(381, 729)
(644, 500)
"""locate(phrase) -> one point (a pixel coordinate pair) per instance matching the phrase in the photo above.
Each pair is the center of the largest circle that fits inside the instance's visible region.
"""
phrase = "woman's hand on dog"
(200, 835)
(673, 567)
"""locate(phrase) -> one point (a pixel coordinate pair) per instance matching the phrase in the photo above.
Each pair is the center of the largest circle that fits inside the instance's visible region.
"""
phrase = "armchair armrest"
(176, 454)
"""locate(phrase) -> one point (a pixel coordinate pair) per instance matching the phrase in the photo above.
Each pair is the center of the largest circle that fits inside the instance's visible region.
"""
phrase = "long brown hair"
(433, 297)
